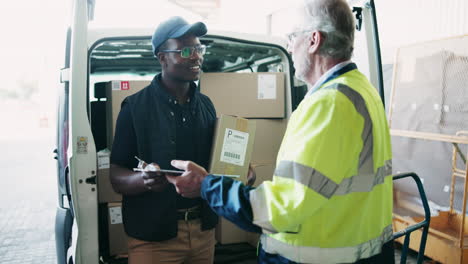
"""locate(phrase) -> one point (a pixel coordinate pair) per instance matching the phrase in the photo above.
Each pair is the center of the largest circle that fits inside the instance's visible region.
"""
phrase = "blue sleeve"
(229, 198)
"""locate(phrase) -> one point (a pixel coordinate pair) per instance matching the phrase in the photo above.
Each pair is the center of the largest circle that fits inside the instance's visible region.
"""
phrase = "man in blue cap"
(169, 119)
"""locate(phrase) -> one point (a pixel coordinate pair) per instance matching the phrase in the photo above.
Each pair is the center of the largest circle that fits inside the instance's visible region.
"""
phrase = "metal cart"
(423, 224)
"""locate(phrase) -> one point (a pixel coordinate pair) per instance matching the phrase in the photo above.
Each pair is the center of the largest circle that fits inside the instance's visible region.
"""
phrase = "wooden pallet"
(442, 242)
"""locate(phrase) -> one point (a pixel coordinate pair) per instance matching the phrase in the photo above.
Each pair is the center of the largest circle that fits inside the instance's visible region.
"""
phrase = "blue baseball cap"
(175, 27)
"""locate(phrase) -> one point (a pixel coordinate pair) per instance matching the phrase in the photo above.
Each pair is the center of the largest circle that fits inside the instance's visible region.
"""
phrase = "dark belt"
(188, 214)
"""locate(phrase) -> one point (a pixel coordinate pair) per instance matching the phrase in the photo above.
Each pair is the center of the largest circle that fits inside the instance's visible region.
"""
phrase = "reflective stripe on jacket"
(330, 200)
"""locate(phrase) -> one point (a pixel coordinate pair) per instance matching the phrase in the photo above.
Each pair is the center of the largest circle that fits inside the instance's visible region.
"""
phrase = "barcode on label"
(231, 155)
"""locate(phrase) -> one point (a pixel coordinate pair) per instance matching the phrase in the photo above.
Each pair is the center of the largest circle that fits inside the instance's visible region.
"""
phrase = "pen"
(140, 160)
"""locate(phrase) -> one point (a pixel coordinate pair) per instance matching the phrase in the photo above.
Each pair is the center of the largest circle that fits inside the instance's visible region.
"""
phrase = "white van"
(96, 56)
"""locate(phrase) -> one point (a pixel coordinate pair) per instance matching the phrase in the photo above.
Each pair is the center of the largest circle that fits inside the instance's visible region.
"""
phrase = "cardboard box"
(253, 238)
(232, 146)
(268, 137)
(269, 134)
(106, 193)
(116, 92)
(232, 149)
(117, 236)
(250, 95)
(264, 172)
(228, 233)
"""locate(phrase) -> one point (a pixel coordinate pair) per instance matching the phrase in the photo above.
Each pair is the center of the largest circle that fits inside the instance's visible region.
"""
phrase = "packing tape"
(256, 164)
(242, 124)
(229, 169)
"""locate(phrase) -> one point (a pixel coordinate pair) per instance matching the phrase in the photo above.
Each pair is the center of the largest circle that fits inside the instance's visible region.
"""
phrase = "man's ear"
(315, 41)
(161, 58)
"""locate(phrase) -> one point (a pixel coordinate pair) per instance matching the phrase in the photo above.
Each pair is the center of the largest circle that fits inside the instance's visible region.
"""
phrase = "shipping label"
(266, 86)
(103, 161)
(234, 147)
(115, 214)
(115, 85)
(121, 85)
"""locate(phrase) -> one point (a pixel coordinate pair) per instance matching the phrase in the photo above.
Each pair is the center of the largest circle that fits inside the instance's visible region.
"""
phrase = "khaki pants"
(191, 246)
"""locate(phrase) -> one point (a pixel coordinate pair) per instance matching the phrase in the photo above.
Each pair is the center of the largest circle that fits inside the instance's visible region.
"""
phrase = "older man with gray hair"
(330, 199)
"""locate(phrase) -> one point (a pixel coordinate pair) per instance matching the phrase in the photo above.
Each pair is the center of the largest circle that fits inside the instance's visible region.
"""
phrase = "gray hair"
(335, 20)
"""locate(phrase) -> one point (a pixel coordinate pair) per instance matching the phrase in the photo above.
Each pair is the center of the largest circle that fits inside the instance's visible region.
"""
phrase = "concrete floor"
(28, 202)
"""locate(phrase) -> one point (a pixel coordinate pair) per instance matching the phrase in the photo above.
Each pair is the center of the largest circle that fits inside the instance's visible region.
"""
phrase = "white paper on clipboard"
(266, 86)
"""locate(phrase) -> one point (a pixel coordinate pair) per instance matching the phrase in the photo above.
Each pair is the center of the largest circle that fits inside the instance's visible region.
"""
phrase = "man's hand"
(251, 176)
(189, 183)
(154, 181)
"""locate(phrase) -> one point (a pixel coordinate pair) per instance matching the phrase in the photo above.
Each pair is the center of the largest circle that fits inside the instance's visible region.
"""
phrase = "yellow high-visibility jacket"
(330, 200)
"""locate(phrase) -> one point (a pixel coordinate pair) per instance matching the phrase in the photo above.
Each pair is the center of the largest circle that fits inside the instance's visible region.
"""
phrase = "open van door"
(76, 218)
(63, 217)
(367, 53)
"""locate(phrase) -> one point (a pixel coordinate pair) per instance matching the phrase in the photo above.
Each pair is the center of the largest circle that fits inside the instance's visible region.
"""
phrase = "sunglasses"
(187, 52)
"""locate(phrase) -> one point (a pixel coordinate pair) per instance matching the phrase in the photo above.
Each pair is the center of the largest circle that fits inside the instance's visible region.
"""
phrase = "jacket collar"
(331, 74)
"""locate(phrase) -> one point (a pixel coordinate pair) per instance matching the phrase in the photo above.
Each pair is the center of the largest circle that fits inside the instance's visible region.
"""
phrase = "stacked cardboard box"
(116, 92)
(117, 235)
(268, 139)
(231, 153)
(249, 95)
(106, 193)
(261, 98)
